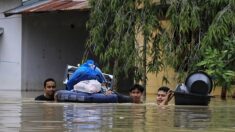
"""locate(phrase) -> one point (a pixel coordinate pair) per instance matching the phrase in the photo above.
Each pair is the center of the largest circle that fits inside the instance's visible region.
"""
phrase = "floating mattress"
(81, 97)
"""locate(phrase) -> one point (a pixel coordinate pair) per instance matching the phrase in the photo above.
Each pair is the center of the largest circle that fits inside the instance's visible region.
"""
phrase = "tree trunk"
(145, 66)
(224, 92)
(233, 96)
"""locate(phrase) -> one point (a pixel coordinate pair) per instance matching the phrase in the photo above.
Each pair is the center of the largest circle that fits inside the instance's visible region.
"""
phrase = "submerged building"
(38, 38)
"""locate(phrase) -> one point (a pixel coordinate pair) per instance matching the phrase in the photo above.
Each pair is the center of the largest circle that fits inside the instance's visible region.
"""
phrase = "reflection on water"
(104, 117)
(10, 109)
(19, 112)
(88, 117)
(41, 117)
(189, 117)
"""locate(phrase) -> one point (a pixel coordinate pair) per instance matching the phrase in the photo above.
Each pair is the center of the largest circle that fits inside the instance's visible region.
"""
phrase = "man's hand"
(108, 92)
(169, 96)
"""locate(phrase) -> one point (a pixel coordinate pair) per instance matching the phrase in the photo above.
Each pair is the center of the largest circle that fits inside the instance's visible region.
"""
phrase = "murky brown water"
(19, 112)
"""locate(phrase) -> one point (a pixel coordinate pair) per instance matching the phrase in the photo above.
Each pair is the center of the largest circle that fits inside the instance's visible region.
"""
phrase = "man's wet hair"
(48, 80)
(163, 88)
(138, 87)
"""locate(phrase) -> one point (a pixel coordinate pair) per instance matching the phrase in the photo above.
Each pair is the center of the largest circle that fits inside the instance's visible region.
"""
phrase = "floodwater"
(20, 113)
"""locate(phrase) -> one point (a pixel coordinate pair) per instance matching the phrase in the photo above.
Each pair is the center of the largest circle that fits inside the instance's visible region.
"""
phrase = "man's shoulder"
(41, 97)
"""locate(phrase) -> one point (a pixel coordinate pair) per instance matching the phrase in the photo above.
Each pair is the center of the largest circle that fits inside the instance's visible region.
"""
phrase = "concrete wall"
(50, 42)
(10, 47)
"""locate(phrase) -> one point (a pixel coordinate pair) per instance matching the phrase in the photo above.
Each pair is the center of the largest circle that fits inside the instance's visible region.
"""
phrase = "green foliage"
(114, 26)
(201, 36)
(216, 63)
(222, 26)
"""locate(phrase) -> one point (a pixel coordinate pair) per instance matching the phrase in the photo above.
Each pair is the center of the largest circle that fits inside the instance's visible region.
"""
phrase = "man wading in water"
(49, 90)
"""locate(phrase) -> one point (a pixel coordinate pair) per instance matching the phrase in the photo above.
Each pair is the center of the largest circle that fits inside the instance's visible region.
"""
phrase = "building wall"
(10, 47)
(50, 42)
(155, 81)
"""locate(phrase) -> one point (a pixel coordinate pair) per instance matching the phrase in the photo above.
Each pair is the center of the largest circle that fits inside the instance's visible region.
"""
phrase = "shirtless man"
(164, 95)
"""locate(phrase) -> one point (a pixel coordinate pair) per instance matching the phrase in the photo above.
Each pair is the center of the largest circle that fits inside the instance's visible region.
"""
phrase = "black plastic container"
(195, 91)
(199, 83)
(191, 99)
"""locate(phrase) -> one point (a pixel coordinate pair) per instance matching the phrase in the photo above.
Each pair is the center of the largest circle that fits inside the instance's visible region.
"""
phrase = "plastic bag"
(88, 86)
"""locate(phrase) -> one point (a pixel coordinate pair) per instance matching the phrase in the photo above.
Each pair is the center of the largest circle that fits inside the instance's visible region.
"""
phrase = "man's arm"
(123, 98)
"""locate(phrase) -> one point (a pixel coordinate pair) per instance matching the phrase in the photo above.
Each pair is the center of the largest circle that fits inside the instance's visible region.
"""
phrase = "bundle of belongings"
(86, 84)
(87, 78)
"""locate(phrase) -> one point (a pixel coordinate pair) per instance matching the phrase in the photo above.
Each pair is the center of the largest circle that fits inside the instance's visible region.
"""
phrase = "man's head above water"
(164, 95)
(136, 93)
(49, 88)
